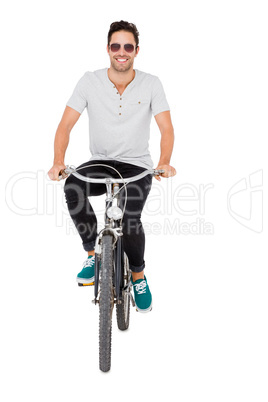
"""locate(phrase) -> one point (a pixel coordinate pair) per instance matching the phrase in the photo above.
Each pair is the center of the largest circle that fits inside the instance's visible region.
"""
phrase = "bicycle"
(112, 274)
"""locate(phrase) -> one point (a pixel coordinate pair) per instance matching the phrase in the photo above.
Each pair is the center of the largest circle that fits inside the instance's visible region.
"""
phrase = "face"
(121, 60)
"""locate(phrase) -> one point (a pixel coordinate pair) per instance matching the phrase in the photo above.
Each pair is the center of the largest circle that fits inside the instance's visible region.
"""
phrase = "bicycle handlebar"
(72, 170)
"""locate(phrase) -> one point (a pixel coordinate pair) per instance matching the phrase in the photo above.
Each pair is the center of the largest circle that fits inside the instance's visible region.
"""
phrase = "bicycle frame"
(112, 225)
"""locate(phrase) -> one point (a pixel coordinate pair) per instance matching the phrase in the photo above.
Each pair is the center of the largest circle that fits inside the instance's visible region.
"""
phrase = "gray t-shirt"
(119, 125)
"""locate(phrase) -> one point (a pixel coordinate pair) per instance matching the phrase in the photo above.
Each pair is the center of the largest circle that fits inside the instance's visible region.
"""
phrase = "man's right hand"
(54, 172)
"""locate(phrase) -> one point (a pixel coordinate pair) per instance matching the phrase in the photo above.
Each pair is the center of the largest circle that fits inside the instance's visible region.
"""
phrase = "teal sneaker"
(87, 275)
(142, 295)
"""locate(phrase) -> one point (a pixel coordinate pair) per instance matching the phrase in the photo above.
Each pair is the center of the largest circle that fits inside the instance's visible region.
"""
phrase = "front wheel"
(106, 303)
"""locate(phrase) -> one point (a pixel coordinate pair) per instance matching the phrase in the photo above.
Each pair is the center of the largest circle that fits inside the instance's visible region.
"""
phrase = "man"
(120, 102)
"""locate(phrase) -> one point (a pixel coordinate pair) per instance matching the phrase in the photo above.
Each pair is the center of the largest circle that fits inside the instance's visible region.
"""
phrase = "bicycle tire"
(106, 302)
(123, 309)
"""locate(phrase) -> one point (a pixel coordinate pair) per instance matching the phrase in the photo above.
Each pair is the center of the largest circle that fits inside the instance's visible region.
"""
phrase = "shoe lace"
(141, 287)
(89, 262)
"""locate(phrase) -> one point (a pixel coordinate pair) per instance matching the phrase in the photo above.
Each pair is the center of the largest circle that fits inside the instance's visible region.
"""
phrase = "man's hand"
(53, 174)
(169, 171)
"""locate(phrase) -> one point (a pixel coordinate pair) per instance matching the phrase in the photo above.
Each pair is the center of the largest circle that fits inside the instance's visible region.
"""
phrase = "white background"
(206, 338)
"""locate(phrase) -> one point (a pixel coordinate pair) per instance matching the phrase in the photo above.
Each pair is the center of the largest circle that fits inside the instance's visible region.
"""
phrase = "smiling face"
(122, 60)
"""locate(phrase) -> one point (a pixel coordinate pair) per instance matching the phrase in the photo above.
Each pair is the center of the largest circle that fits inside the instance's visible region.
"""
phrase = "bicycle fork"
(118, 266)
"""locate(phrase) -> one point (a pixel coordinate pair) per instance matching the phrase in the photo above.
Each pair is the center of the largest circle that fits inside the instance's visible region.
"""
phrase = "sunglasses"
(129, 48)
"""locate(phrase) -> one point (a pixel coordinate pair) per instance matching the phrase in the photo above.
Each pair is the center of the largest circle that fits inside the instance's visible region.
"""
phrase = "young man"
(120, 102)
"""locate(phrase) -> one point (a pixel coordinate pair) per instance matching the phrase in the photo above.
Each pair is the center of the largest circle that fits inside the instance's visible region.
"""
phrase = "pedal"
(86, 284)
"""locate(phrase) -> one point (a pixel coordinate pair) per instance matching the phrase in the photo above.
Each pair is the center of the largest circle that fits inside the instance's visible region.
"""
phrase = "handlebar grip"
(62, 174)
(158, 172)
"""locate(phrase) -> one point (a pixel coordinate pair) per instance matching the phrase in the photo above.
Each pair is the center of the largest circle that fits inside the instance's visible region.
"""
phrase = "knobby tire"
(106, 302)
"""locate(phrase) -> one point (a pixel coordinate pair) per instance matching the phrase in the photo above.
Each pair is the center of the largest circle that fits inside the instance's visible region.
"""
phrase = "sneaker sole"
(84, 281)
(144, 311)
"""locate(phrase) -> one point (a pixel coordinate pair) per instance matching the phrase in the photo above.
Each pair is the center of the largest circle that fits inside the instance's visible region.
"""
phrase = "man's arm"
(69, 118)
(164, 123)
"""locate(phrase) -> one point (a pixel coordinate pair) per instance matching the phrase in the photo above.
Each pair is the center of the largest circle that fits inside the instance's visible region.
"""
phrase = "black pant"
(84, 218)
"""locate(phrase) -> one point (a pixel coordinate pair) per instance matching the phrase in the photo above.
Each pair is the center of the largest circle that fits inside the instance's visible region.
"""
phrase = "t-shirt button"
(119, 114)
(120, 98)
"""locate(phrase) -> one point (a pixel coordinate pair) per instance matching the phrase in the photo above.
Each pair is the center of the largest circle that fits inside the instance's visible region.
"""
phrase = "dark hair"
(123, 26)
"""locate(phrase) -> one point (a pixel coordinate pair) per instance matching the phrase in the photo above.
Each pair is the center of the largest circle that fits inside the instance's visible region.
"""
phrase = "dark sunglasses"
(129, 48)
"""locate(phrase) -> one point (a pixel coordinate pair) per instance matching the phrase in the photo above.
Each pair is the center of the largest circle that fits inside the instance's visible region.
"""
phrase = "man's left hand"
(169, 171)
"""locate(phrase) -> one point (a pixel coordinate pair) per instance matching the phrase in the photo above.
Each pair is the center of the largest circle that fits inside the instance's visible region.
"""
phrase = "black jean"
(83, 215)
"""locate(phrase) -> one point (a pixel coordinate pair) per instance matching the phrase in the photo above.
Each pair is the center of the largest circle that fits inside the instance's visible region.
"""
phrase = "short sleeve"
(78, 100)
(159, 102)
